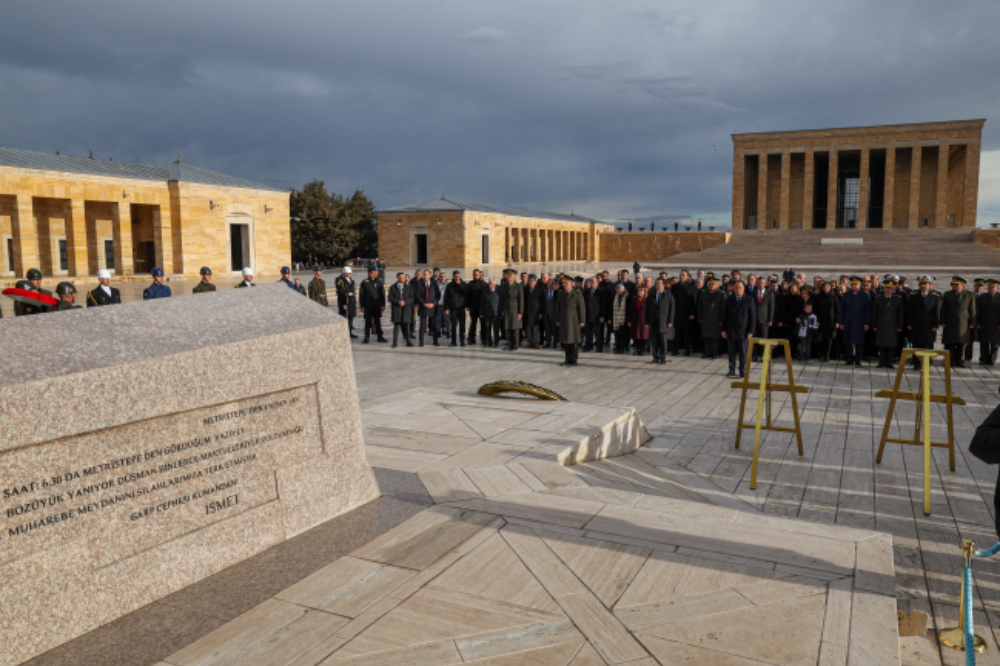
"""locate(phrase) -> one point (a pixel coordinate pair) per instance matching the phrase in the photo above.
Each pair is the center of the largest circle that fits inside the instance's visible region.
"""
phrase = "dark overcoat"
(739, 317)
(958, 313)
(855, 314)
(988, 318)
(663, 312)
(570, 313)
(888, 317)
(424, 293)
(710, 307)
(401, 314)
(923, 315)
(372, 295)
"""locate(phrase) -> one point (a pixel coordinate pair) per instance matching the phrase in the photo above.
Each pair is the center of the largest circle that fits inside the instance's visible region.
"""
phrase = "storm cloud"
(612, 110)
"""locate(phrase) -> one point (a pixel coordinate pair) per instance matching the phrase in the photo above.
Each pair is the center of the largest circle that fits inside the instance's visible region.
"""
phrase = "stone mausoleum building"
(71, 217)
(887, 176)
(450, 233)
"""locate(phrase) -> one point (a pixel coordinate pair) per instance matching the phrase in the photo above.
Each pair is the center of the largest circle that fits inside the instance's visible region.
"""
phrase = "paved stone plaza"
(573, 543)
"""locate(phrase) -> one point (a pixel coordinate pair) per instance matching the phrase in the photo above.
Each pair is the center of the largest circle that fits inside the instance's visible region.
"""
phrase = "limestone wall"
(654, 246)
(989, 237)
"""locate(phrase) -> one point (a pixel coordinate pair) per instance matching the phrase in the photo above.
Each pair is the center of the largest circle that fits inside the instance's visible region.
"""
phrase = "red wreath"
(30, 297)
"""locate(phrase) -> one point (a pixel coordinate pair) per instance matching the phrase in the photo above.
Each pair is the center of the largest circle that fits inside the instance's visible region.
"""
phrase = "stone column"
(121, 228)
(971, 184)
(76, 238)
(831, 189)
(786, 188)
(915, 222)
(162, 236)
(863, 193)
(542, 238)
(889, 197)
(941, 194)
(25, 230)
(762, 191)
(808, 197)
(739, 195)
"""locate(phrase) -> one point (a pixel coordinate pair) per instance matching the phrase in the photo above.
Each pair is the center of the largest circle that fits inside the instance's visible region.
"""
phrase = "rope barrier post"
(963, 637)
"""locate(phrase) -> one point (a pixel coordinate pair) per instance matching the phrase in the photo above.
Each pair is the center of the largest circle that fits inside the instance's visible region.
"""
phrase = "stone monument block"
(146, 446)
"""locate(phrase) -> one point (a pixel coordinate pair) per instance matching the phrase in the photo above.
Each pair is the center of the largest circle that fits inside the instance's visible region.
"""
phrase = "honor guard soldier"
(958, 318)
(988, 323)
(157, 289)
(347, 299)
(286, 277)
(923, 316)
(67, 297)
(34, 278)
(104, 293)
(317, 287)
(247, 279)
(205, 286)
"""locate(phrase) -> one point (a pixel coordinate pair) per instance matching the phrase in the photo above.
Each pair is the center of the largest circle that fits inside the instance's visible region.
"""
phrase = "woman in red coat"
(637, 325)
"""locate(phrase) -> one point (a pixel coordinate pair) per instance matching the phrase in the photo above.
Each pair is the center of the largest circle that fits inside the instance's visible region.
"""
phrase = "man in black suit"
(427, 294)
(739, 319)
(594, 299)
(660, 315)
(683, 293)
(401, 299)
(372, 302)
(104, 294)
(764, 299)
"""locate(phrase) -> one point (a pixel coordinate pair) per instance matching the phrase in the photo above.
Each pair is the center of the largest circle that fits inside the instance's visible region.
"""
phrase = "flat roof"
(974, 124)
(449, 205)
(178, 171)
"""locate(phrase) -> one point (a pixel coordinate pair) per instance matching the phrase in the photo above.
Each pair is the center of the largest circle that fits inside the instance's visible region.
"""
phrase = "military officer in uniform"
(205, 286)
(923, 316)
(286, 277)
(888, 318)
(317, 287)
(34, 278)
(958, 318)
(104, 294)
(67, 297)
(988, 323)
(372, 305)
(347, 300)
(571, 317)
(512, 308)
(157, 289)
(247, 279)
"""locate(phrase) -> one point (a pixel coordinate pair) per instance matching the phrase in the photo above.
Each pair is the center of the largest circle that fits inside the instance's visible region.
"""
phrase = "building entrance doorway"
(239, 246)
(145, 258)
(421, 240)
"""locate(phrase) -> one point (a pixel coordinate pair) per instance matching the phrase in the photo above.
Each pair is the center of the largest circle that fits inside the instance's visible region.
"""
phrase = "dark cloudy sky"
(612, 109)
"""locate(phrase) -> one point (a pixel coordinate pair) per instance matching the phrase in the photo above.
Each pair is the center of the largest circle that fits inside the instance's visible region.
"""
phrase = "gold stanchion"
(923, 397)
(764, 388)
(955, 637)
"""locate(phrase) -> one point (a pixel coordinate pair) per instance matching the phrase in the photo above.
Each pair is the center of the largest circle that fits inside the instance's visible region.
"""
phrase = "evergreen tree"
(330, 227)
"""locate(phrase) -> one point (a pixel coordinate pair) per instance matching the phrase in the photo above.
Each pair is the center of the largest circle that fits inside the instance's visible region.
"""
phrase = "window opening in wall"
(63, 256)
(849, 201)
(109, 255)
(486, 249)
(10, 255)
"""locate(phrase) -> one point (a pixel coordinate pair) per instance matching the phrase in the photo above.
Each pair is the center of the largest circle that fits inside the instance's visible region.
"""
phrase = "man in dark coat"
(401, 299)
(427, 295)
(512, 309)
(571, 317)
(593, 332)
(317, 287)
(923, 317)
(978, 291)
(473, 297)
(489, 310)
(104, 293)
(549, 313)
(710, 308)
(988, 323)
(958, 319)
(765, 301)
(372, 302)
(888, 319)
(985, 445)
(683, 293)
(739, 319)
(454, 307)
(532, 311)
(660, 313)
(347, 300)
(855, 318)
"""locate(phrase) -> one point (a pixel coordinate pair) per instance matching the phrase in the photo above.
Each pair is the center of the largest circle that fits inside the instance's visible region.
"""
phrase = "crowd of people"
(854, 319)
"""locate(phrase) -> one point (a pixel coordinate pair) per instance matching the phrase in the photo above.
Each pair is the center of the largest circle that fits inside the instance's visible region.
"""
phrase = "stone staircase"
(896, 250)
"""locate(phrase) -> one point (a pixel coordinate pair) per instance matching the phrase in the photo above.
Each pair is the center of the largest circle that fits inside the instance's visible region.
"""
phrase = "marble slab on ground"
(148, 445)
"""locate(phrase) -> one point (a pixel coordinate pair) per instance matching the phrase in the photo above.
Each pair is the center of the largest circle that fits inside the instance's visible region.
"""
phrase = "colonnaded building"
(451, 233)
(71, 216)
(887, 176)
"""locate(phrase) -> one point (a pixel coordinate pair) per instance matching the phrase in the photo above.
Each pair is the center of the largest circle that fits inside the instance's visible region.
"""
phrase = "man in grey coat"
(660, 315)
(571, 317)
(765, 301)
(401, 299)
(512, 309)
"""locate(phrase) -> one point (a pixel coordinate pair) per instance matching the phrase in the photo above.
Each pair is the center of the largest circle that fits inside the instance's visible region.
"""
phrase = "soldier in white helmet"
(247, 278)
(103, 293)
